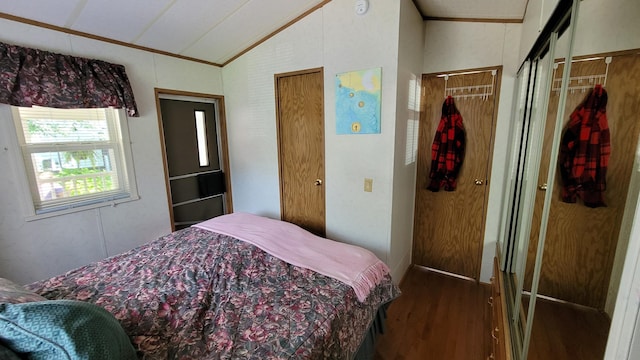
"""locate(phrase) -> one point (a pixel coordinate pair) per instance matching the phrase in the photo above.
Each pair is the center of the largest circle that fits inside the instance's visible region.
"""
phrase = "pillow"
(63, 329)
(15, 294)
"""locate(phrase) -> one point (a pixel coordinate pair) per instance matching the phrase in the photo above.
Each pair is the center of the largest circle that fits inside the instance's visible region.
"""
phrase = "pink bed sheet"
(352, 265)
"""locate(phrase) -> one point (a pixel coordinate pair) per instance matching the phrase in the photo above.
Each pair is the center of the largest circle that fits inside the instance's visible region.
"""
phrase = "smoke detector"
(362, 6)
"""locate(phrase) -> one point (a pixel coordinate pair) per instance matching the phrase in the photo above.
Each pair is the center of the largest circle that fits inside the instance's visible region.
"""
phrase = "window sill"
(112, 203)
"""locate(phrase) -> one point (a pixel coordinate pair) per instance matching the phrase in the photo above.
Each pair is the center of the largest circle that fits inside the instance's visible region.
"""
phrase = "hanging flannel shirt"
(447, 151)
(584, 151)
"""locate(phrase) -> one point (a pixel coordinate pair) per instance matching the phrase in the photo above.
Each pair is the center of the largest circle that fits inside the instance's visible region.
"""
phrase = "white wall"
(338, 40)
(410, 52)
(536, 16)
(634, 352)
(605, 26)
(38, 249)
(451, 46)
(251, 114)
(353, 42)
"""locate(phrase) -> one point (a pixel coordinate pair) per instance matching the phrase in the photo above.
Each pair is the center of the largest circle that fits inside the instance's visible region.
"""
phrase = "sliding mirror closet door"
(531, 116)
(543, 112)
(545, 314)
(572, 189)
(528, 201)
(508, 251)
(592, 152)
(515, 229)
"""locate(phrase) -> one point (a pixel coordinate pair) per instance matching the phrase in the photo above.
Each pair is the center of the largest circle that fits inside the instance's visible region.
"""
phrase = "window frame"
(118, 128)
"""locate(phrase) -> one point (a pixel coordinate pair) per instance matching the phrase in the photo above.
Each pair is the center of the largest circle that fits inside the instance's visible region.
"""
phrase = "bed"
(217, 291)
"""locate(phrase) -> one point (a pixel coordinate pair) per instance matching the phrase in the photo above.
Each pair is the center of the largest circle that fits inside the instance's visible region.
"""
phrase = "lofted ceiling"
(211, 31)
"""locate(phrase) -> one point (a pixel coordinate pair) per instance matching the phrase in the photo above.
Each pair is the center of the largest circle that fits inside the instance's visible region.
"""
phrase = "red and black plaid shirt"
(447, 151)
(584, 151)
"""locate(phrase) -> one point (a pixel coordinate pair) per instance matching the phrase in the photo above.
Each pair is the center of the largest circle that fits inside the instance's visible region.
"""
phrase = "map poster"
(358, 102)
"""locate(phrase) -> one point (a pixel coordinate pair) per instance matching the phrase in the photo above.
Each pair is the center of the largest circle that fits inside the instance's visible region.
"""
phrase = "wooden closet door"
(581, 242)
(449, 226)
(300, 116)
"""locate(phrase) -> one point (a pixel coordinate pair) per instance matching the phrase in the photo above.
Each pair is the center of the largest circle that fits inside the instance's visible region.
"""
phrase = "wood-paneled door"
(300, 121)
(581, 242)
(449, 226)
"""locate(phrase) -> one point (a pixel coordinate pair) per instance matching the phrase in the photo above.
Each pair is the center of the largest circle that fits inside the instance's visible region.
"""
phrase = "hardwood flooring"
(565, 331)
(437, 317)
(443, 317)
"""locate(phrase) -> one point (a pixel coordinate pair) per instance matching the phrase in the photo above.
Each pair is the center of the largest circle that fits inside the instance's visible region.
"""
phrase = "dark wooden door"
(196, 182)
(449, 226)
(300, 113)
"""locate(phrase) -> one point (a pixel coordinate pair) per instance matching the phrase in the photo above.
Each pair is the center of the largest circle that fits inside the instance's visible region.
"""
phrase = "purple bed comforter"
(195, 294)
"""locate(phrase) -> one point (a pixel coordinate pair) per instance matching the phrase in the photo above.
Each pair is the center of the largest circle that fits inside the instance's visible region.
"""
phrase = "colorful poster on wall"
(358, 102)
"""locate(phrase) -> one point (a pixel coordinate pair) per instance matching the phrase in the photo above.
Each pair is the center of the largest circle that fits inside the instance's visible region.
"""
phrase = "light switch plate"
(368, 185)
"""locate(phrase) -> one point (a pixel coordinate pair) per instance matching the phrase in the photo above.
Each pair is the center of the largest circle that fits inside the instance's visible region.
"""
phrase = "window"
(201, 135)
(75, 158)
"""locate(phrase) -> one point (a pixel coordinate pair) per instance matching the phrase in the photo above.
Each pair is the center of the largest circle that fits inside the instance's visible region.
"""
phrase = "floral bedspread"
(195, 294)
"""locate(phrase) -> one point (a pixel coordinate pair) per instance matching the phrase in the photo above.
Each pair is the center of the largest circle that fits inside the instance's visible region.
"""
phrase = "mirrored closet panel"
(574, 139)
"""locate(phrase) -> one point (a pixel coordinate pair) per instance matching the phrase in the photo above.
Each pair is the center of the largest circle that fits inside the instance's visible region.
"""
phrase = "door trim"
(224, 145)
(277, 77)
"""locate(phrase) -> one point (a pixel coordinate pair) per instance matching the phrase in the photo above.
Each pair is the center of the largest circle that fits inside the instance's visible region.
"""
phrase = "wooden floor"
(443, 317)
(437, 317)
(565, 331)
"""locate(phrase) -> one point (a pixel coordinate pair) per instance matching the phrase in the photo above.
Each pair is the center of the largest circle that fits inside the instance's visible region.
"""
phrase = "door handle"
(478, 182)
(318, 182)
(542, 187)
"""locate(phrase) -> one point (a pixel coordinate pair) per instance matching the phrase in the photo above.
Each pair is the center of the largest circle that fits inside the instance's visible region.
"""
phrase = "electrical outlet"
(368, 185)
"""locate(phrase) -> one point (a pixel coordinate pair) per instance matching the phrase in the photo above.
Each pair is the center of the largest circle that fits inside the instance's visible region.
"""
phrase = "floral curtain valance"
(35, 77)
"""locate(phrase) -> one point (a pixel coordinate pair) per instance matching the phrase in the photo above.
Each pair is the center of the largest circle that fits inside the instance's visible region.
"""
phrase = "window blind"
(73, 157)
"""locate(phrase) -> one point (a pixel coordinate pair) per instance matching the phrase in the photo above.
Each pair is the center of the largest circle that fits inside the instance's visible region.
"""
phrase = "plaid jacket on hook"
(447, 151)
(584, 151)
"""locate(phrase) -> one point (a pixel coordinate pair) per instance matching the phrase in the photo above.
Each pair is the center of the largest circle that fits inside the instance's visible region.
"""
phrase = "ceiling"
(211, 31)
(473, 9)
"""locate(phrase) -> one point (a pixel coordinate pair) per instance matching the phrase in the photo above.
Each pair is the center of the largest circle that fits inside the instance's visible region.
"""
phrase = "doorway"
(193, 140)
(449, 225)
(300, 124)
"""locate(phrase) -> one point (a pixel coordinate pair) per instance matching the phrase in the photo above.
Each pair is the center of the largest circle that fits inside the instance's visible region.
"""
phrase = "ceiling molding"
(156, 51)
(484, 20)
(277, 31)
(242, 52)
(101, 38)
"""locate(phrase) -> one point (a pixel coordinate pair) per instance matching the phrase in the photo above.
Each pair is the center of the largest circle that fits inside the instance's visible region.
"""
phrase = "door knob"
(543, 187)
(318, 182)
(478, 182)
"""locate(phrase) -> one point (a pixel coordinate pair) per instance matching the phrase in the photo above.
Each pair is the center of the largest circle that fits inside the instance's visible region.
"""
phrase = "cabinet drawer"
(500, 340)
